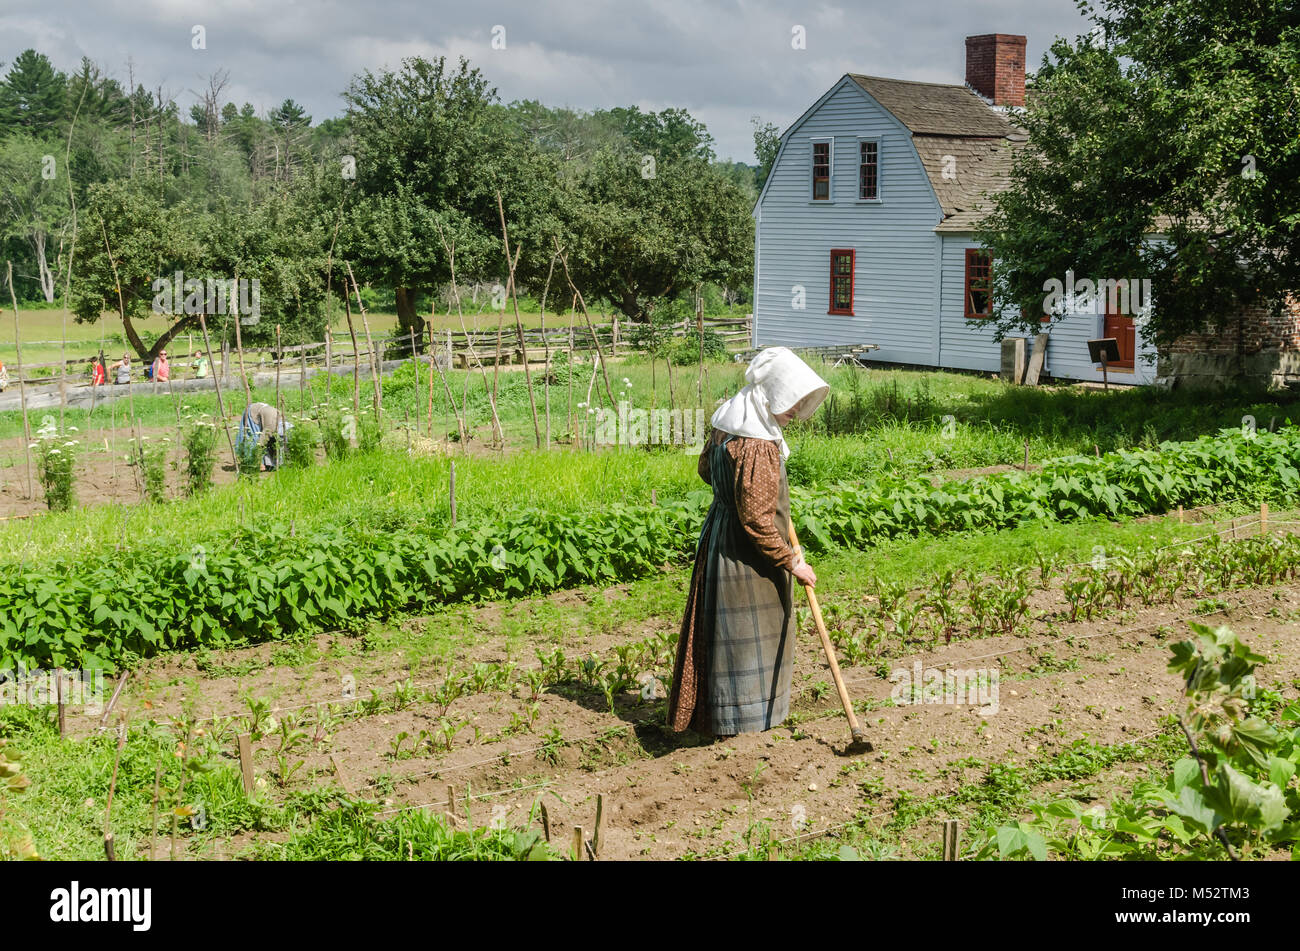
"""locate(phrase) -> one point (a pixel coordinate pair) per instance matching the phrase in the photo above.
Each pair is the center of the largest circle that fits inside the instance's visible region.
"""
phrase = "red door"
(1121, 328)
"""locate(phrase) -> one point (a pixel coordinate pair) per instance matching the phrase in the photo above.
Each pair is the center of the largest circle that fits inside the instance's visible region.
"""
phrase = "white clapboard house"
(865, 226)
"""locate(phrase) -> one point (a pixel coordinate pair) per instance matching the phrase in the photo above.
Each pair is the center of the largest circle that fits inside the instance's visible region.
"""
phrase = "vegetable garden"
(1090, 655)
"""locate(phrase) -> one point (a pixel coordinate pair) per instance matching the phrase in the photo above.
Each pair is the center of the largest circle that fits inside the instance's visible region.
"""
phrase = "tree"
(33, 207)
(1179, 117)
(430, 147)
(639, 239)
(32, 95)
(767, 142)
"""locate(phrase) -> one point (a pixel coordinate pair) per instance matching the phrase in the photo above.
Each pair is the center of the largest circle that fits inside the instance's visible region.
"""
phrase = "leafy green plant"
(200, 442)
(56, 460)
(150, 458)
(300, 445)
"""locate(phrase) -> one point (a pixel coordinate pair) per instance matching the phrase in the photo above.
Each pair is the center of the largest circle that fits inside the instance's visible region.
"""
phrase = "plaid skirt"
(736, 650)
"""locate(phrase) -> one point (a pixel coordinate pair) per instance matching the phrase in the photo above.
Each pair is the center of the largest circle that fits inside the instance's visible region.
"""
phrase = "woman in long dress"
(736, 649)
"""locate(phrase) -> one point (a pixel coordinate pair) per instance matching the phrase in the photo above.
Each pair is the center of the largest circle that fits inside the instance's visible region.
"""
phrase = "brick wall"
(1253, 330)
(995, 67)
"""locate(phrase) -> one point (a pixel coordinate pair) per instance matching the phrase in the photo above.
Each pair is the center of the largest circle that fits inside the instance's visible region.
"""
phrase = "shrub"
(300, 451)
(334, 428)
(151, 459)
(370, 434)
(56, 460)
(200, 455)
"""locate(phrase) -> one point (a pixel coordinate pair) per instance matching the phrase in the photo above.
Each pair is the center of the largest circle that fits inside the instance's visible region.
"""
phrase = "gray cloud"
(724, 60)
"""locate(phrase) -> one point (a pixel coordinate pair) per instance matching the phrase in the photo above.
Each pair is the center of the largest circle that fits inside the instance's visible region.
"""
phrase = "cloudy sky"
(723, 60)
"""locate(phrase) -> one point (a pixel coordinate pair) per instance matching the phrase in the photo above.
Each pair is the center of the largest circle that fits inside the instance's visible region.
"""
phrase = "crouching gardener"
(734, 655)
(265, 426)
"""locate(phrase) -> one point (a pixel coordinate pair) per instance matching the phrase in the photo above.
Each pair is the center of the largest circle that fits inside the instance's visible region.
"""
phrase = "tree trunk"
(43, 267)
(408, 321)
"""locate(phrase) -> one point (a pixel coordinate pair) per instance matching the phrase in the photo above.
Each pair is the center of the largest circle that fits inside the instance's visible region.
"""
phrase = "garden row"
(258, 583)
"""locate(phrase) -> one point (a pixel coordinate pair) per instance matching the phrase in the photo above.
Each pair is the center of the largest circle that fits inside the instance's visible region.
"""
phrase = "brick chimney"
(995, 67)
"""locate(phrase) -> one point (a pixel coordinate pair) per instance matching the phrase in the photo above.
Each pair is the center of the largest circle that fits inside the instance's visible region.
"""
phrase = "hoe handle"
(826, 644)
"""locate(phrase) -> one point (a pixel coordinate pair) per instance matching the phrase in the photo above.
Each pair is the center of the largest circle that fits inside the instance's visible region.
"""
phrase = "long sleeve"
(758, 483)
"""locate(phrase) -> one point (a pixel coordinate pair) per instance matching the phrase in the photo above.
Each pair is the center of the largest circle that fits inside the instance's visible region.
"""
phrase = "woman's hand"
(803, 573)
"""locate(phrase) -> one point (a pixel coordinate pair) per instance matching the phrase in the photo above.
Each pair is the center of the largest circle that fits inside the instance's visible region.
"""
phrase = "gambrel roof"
(965, 145)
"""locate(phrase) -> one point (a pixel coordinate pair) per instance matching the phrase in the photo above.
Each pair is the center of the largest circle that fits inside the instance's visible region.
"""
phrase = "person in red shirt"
(98, 375)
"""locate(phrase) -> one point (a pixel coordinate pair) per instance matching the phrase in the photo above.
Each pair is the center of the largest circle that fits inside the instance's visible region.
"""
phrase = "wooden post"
(546, 823)
(58, 690)
(595, 835)
(370, 345)
(1180, 515)
(153, 819)
(22, 385)
(415, 360)
(239, 349)
(1026, 455)
(577, 843)
(951, 837)
(451, 802)
(279, 358)
(1263, 518)
(356, 357)
(246, 763)
(302, 381)
(112, 785)
(453, 494)
(216, 382)
(329, 361)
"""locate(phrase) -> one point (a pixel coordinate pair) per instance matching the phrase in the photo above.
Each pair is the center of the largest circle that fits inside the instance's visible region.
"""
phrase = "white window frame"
(830, 184)
(880, 176)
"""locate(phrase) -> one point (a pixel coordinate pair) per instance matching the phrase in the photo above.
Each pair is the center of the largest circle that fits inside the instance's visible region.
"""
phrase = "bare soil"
(668, 795)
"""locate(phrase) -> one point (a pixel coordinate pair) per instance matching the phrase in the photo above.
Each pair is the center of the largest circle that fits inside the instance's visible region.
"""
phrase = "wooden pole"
(370, 345)
(546, 823)
(216, 382)
(356, 357)
(1026, 455)
(1263, 518)
(951, 839)
(519, 327)
(279, 358)
(58, 690)
(246, 763)
(22, 385)
(329, 362)
(595, 834)
(453, 494)
(112, 785)
(239, 347)
(577, 843)
(415, 362)
(153, 818)
(600, 352)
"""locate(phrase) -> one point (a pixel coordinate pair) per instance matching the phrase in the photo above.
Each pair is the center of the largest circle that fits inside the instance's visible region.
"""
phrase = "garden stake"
(859, 743)
(546, 823)
(951, 836)
(1263, 518)
(595, 835)
(577, 843)
(246, 763)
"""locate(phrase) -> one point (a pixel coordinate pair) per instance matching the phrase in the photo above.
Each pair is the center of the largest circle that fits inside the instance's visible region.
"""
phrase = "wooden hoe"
(859, 743)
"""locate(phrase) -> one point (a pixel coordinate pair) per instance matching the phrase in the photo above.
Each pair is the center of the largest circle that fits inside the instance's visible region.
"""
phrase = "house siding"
(909, 281)
(895, 299)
